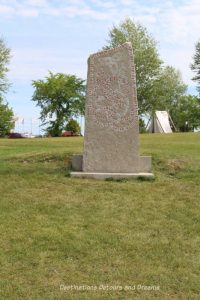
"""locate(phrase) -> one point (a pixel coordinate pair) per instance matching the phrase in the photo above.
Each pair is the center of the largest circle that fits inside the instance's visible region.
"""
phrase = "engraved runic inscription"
(111, 140)
(110, 91)
(111, 129)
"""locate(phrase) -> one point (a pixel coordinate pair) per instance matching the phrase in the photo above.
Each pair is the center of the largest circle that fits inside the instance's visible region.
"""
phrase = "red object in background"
(69, 133)
(16, 135)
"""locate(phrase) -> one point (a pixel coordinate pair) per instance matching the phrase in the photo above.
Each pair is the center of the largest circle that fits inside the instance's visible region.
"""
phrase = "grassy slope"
(59, 230)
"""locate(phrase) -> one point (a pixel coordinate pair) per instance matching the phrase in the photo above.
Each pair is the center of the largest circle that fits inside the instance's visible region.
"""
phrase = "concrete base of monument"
(144, 162)
(144, 169)
(104, 176)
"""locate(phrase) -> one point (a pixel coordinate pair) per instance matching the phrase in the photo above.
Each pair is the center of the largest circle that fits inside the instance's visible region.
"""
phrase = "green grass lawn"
(58, 231)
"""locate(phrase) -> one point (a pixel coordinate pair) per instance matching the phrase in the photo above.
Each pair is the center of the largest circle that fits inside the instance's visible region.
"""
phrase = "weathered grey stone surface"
(77, 162)
(111, 143)
(111, 128)
(144, 163)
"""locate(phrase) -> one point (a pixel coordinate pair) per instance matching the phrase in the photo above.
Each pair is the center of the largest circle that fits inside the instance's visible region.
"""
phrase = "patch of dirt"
(177, 165)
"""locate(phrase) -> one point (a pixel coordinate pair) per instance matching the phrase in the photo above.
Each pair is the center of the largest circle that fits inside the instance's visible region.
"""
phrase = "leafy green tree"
(60, 97)
(142, 126)
(157, 86)
(73, 126)
(6, 120)
(4, 60)
(6, 114)
(196, 66)
(167, 90)
(186, 113)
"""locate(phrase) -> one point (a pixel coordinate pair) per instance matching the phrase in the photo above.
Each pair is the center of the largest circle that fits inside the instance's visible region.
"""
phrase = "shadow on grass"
(139, 178)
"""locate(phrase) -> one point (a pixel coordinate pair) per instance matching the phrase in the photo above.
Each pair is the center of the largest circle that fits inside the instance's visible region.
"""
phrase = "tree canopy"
(168, 88)
(4, 60)
(157, 86)
(6, 120)
(186, 113)
(6, 114)
(195, 66)
(73, 126)
(60, 97)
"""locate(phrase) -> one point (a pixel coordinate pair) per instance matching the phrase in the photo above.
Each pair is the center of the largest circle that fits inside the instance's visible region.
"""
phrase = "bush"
(73, 126)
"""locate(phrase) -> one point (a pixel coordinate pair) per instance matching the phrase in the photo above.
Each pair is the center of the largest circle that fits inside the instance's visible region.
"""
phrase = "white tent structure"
(161, 122)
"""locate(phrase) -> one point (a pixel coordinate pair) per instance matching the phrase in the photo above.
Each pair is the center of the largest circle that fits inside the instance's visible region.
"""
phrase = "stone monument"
(111, 144)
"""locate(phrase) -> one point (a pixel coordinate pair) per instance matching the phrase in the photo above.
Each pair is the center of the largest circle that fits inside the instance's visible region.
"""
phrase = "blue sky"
(59, 35)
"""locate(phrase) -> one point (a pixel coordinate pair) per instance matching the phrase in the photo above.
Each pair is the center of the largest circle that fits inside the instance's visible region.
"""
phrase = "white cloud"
(181, 23)
(53, 12)
(66, 45)
(177, 17)
(32, 63)
(180, 59)
(104, 4)
(37, 3)
(127, 2)
(145, 19)
(6, 9)
(88, 12)
(27, 12)
(174, 24)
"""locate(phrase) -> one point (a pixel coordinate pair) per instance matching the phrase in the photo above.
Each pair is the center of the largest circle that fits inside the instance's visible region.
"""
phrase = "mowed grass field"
(127, 239)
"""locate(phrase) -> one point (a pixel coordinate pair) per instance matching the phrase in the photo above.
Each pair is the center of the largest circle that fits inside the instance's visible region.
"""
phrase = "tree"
(142, 126)
(157, 86)
(6, 114)
(196, 65)
(73, 126)
(186, 114)
(4, 60)
(6, 120)
(167, 90)
(60, 97)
